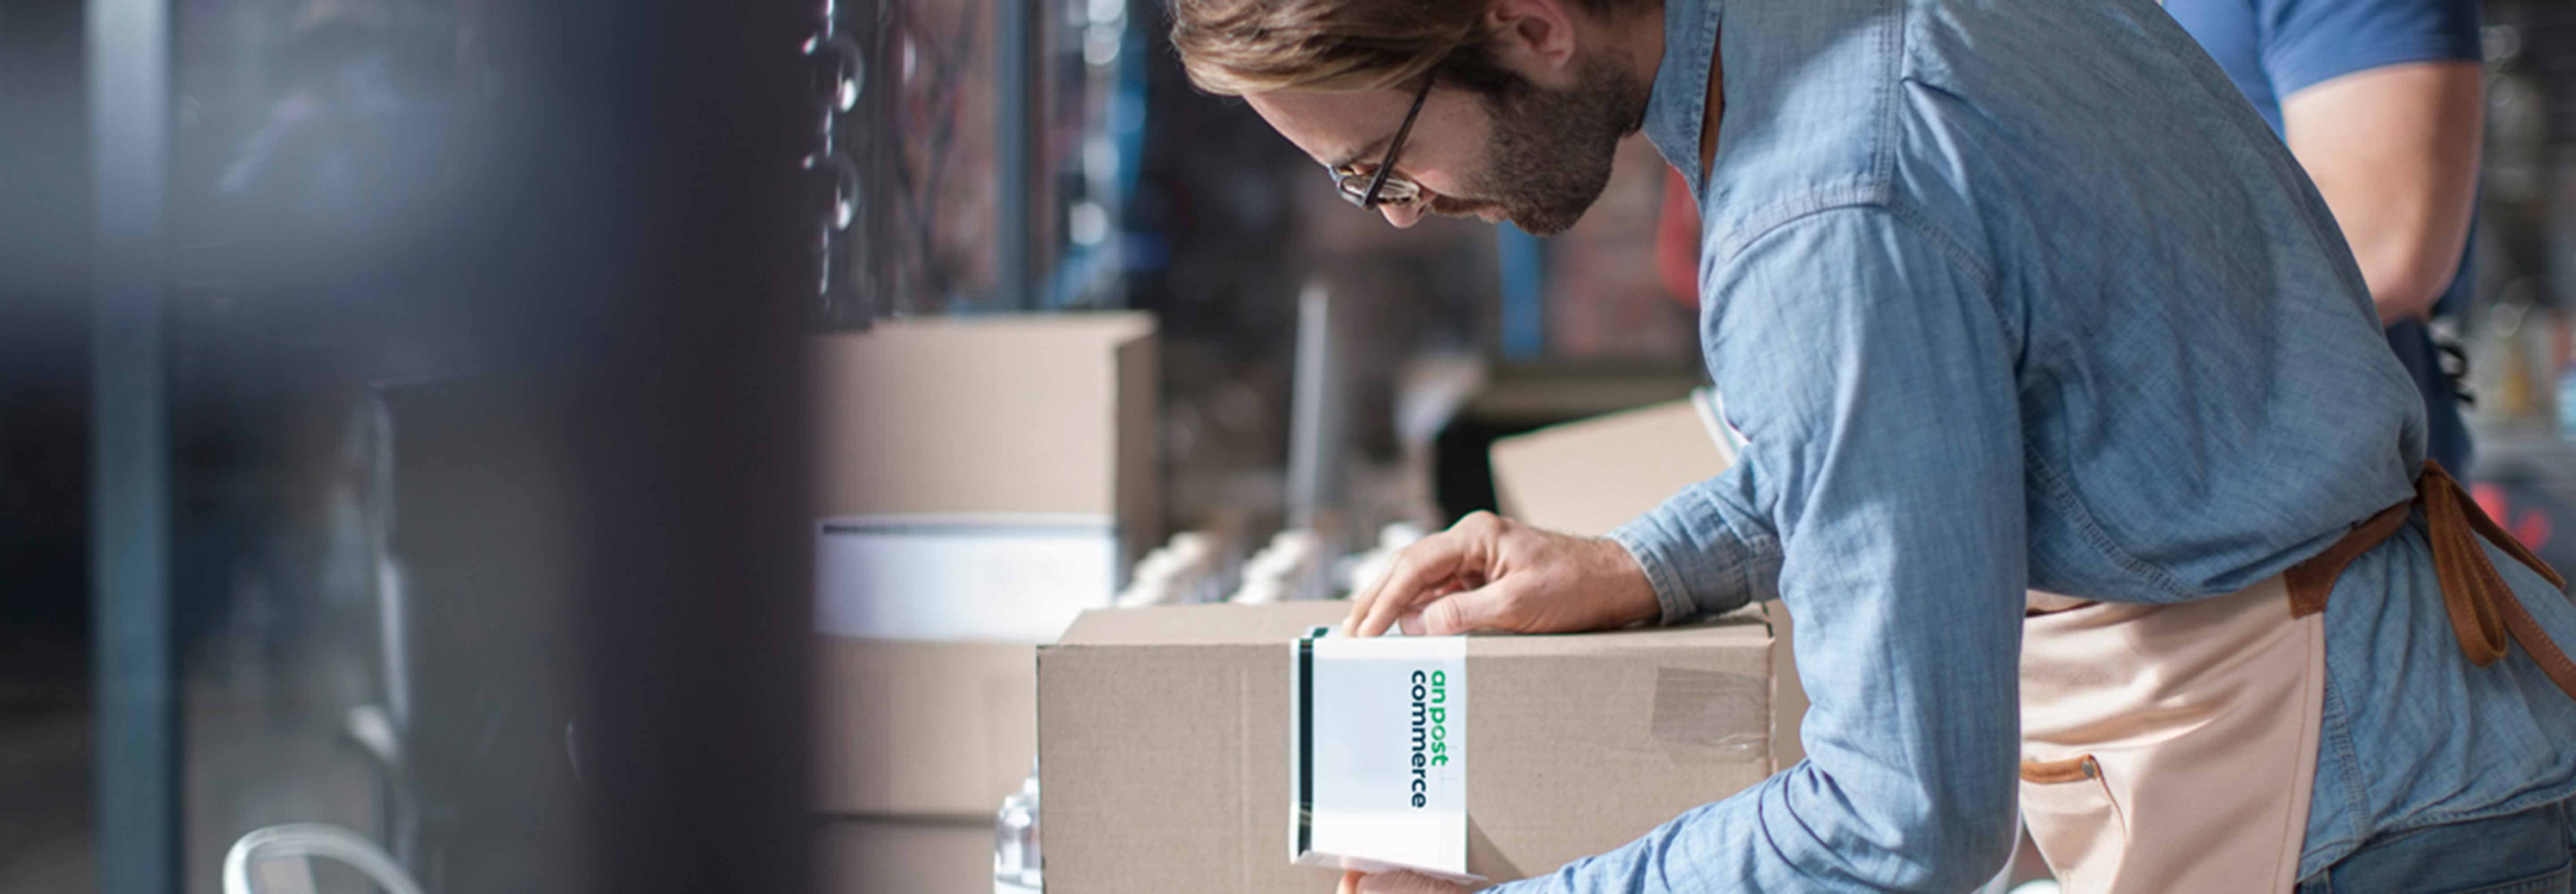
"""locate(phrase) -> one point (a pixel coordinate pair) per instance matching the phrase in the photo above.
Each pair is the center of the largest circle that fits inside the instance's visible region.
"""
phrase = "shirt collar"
(1679, 97)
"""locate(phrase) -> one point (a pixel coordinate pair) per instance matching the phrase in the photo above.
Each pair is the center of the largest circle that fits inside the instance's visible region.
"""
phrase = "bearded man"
(2073, 445)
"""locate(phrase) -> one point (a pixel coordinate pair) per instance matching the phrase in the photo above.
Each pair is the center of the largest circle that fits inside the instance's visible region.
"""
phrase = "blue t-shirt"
(2274, 48)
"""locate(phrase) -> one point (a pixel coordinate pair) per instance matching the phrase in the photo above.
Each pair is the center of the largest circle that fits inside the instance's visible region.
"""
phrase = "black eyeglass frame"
(1367, 199)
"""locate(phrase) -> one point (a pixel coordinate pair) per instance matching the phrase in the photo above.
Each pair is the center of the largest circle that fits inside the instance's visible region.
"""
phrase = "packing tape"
(1712, 715)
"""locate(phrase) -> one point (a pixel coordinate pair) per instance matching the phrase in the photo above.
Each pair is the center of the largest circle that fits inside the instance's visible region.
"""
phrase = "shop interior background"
(399, 404)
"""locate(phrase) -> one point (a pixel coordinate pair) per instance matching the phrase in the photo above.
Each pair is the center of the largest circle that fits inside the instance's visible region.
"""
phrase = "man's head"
(1527, 102)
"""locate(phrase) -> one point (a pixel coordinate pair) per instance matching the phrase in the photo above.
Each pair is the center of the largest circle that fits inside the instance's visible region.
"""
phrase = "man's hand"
(1490, 573)
(1395, 883)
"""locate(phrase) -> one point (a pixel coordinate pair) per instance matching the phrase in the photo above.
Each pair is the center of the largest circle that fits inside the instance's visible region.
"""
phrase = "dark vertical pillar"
(1015, 62)
(138, 792)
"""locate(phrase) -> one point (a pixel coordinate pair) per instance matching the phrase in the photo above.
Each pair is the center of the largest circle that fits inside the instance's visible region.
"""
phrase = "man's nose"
(1401, 216)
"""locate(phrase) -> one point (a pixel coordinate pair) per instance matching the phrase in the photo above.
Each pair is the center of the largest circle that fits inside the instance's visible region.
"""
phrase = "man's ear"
(1535, 39)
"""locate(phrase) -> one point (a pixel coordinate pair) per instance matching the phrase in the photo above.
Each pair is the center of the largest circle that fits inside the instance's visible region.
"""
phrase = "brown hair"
(1248, 46)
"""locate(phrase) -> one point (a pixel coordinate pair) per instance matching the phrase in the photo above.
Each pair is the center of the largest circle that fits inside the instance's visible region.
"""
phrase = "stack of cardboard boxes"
(983, 479)
(988, 480)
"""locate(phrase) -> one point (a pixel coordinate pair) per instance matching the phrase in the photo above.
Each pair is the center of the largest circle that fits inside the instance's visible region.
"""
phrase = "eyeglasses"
(1384, 187)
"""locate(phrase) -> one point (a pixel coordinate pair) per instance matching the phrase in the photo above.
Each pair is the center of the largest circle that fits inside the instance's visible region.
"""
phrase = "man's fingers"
(1351, 881)
(1483, 608)
(1418, 569)
(1363, 598)
(1370, 591)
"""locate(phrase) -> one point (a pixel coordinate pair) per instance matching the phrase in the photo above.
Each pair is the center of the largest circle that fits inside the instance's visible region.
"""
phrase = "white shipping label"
(1379, 753)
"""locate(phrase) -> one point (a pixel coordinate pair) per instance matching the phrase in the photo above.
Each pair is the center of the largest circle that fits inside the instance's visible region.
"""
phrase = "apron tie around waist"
(2484, 610)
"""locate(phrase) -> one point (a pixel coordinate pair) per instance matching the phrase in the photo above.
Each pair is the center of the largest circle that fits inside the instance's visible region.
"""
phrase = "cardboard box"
(928, 730)
(876, 856)
(1164, 743)
(1590, 477)
(1051, 413)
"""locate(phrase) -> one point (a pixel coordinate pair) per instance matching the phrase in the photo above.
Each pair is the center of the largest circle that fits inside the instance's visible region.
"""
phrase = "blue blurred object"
(1524, 271)
(2567, 403)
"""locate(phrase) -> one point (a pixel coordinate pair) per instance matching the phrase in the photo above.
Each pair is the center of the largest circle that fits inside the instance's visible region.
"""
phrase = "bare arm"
(2394, 151)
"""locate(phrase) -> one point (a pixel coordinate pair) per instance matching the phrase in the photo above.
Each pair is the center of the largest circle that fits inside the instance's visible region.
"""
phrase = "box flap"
(1281, 623)
(1734, 630)
(1220, 624)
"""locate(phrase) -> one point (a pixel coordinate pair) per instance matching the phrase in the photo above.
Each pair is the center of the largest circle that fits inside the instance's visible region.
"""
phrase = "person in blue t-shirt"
(2380, 101)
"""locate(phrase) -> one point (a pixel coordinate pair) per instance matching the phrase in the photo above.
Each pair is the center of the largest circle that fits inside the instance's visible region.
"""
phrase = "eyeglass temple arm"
(1396, 145)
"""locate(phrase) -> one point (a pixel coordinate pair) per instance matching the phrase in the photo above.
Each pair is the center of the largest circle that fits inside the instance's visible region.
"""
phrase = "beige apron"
(2172, 747)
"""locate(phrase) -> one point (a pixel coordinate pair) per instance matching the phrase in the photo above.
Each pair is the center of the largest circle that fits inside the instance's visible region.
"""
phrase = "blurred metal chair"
(300, 842)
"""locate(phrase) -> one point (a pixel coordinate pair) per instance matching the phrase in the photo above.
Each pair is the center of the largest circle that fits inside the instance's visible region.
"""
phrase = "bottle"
(1017, 860)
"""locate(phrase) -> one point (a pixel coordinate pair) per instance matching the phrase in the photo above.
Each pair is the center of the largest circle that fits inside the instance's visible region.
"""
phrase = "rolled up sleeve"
(1704, 549)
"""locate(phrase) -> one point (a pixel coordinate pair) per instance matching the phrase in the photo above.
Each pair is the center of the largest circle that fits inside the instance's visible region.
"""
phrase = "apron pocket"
(2074, 820)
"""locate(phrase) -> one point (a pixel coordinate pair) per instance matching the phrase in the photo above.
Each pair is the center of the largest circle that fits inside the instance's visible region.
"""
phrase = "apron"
(2173, 747)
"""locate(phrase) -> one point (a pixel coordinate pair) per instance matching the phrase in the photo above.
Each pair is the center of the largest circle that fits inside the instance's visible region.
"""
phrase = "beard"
(1551, 151)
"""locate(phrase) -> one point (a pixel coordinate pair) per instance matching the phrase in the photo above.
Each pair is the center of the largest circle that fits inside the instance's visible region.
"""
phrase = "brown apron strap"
(2309, 582)
(2495, 533)
(2483, 609)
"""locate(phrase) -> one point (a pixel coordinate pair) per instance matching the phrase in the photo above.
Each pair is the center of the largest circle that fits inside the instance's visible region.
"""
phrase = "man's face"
(1535, 156)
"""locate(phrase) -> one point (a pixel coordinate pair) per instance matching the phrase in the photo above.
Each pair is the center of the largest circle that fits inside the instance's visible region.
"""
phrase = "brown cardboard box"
(923, 729)
(1590, 477)
(882, 856)
(1049, 413)
(1163, 737)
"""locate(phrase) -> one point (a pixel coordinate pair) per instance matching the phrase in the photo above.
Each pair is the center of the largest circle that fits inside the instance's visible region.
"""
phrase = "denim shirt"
(2021, 294)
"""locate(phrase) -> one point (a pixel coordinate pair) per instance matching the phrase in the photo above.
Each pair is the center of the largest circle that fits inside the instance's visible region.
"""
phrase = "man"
(2011, 298)
(2380, 101)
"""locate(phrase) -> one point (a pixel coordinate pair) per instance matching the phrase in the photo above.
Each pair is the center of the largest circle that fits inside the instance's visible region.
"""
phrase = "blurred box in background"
(924, 729)
(1051, 414)
(1591, 476)
(981, 480)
